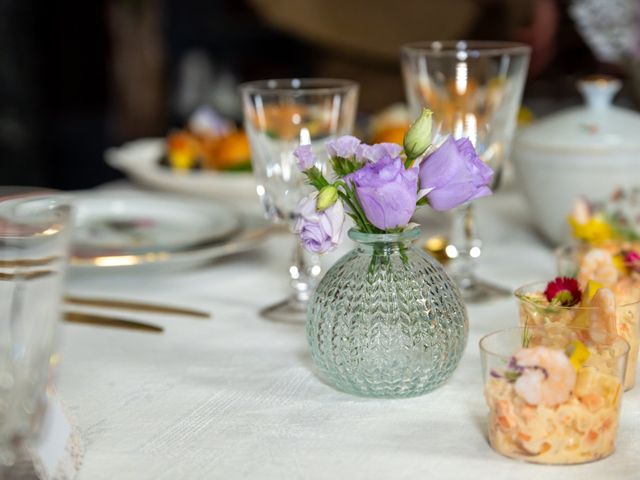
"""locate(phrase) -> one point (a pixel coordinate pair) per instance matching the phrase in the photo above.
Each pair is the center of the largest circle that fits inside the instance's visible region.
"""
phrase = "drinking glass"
(34, 244)
(280, 115)
(474, 90)
(553, 394)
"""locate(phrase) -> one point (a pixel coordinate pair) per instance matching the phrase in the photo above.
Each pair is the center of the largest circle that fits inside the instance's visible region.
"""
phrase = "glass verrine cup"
(34, 245)
(536, 311)
(553, 395)
(279, 116)
(474, 89)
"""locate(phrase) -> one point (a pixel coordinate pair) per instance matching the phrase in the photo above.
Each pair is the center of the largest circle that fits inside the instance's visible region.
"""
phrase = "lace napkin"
(56, 454)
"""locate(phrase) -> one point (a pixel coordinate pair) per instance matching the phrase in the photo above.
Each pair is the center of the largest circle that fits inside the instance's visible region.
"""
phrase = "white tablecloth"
(236, 396)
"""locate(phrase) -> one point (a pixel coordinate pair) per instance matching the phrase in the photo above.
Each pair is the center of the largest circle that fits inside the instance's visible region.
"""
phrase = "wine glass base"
(289, 310)
(475, 290)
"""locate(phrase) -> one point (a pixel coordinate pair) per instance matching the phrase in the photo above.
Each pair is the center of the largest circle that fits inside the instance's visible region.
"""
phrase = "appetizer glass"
(279, 116)
(474, 90)
(535, 311)
(555, 400)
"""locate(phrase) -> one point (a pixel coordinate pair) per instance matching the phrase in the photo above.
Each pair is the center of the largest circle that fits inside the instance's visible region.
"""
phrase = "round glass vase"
(386, 320)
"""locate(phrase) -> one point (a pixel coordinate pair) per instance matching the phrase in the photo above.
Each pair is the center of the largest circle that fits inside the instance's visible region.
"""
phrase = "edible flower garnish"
(563, 291)
(632, 260)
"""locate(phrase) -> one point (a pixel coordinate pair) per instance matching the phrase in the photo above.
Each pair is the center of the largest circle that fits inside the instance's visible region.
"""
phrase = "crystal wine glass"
(280, 115)
(474, 89)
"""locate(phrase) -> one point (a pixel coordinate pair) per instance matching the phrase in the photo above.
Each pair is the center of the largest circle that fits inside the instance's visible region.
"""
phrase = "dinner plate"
(155, 231)
(117, 223)
(140, 161)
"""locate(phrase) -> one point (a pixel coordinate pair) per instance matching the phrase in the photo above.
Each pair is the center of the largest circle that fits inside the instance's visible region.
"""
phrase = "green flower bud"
(418, 138)
(328, 196)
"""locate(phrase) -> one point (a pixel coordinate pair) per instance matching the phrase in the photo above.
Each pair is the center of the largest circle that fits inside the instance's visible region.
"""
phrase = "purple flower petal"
(344, 146)
(387, 192)
(454, 174)
(373, 153)
(305, 157)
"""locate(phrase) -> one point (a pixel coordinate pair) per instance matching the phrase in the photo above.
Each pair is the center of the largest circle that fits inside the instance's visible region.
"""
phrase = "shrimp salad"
(546, 407)
(599, 314)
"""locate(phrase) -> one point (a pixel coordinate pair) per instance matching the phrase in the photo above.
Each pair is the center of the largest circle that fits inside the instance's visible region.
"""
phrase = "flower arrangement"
(380, 186)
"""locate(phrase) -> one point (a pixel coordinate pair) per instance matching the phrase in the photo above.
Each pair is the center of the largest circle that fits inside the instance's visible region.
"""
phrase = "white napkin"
(57, 452)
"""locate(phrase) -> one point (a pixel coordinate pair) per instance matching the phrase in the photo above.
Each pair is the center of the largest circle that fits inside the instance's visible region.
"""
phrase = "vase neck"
(388, 242)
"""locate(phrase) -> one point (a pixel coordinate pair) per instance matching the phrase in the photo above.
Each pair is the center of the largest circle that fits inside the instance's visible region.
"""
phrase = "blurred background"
(79, 76)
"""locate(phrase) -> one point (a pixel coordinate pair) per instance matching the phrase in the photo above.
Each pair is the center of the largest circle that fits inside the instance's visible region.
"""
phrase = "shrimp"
(602, 316)
(597, 265)
(547, 376)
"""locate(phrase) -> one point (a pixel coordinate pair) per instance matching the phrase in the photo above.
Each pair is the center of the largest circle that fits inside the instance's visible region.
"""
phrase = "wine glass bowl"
(279, 116)
(474, 90)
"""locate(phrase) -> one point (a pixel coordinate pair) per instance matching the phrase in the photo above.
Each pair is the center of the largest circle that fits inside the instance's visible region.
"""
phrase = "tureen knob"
(598, 90)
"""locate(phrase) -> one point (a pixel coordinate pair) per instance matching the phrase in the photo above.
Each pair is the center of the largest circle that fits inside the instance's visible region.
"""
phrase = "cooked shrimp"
(547, 376)
(602, 316)
(597, 265)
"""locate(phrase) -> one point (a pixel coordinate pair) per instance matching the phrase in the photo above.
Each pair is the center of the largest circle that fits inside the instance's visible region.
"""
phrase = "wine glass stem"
(304, 271)
(467, 246)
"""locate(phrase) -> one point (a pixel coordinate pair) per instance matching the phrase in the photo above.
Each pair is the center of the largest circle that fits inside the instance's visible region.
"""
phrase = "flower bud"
(418, 138)
(328, 196)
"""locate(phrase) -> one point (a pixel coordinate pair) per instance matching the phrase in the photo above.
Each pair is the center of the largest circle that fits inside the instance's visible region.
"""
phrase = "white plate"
(140, 160)
(128, 223)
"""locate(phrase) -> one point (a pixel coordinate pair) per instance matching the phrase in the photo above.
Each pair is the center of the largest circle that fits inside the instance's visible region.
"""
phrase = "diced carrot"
(606, 425)
(504, 422)
(545, 447)
(524, 437)
(592, 436)
(592, 401)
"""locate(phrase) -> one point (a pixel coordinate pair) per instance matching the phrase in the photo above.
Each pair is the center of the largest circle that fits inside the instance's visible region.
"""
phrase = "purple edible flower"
(322, 231)
(373, 153)
(454, 174)
(344, 146)
(305, 157)
(386, 191)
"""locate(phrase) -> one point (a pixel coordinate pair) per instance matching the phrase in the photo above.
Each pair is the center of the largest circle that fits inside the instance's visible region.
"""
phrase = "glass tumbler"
(34, 245)
(537, 312)
(553, 395)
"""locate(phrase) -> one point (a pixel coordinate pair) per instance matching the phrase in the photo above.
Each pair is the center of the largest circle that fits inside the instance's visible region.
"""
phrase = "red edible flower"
(563, 291)
(632, 260)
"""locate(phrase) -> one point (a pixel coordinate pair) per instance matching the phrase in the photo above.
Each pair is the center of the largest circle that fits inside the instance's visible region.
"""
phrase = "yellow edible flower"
(594, 231)
(578, 354)
(618, 262)
(592, 288)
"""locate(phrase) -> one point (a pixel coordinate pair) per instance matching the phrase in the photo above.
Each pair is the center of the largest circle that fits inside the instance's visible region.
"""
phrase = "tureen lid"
(595, 126)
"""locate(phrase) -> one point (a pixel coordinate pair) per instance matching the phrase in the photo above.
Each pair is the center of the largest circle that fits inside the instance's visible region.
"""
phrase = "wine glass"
(474, 90)
(279, 116)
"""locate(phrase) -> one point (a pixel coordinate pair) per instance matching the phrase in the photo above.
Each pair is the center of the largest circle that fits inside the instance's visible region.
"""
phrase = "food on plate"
(209, 142)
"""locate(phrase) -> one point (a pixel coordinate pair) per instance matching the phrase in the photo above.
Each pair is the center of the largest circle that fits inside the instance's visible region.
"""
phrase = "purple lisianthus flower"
(344, 146)
(319, 232)
(454, 174)
(373, 153)
(386, 191)
(305, 157)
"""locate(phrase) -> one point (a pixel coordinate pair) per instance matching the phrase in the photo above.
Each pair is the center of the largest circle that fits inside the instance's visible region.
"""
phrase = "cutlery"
(106, 321)
(137, 306)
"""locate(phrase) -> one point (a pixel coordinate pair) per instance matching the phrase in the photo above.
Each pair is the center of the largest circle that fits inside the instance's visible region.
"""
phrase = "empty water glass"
(279, 116)
(34, 244)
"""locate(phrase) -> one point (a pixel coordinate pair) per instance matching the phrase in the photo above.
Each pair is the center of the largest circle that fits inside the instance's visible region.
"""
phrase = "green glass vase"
(386, 320)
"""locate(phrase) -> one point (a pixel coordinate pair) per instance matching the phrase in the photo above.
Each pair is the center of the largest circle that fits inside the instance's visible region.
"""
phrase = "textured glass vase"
(386, 320)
